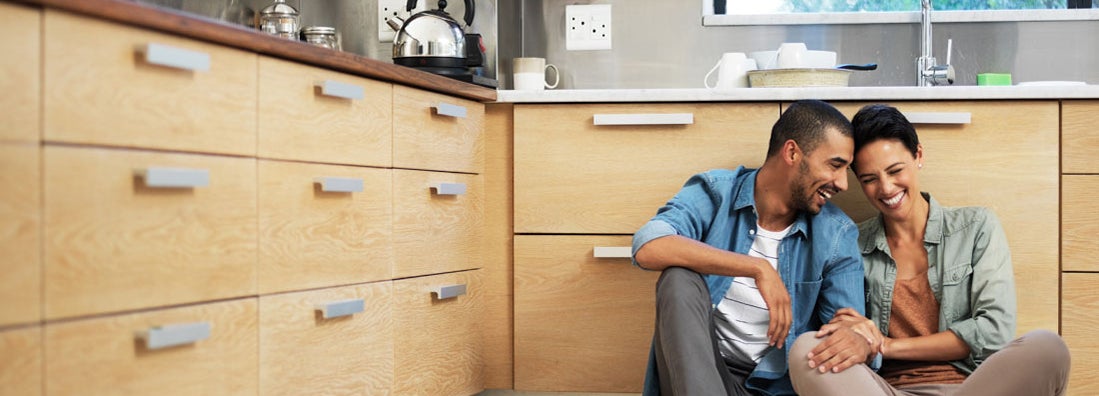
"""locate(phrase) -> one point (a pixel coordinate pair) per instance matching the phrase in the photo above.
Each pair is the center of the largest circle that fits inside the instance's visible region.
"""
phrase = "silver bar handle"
(450, 110)
(449, 291)
(339, 184)
(644, 119)
(167, 336)
(449, 188)
(178, 58)
(159, 177)
(338, 89)
(613, 252)
(335, 309)
(938, 117)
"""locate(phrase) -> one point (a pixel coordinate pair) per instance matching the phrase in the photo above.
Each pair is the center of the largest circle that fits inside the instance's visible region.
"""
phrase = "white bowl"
(819, 60)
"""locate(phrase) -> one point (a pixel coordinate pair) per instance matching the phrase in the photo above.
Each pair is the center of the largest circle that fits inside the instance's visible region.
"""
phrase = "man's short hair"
(807, 122)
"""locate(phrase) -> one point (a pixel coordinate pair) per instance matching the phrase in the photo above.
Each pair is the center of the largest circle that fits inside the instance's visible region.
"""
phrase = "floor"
(502, 392)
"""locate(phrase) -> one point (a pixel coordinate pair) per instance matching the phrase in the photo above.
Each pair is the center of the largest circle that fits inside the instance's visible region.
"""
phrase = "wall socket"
(393, 8)
(588, 27)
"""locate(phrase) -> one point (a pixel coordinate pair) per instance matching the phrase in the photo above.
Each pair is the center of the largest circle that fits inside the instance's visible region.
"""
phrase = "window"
(782, 12)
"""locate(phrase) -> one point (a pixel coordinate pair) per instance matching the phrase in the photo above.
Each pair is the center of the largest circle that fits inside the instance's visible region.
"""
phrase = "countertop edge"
(822, 93)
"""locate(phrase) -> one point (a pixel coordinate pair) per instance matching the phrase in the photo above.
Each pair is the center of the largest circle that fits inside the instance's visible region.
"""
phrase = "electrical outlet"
(393, 8)
(588, 27)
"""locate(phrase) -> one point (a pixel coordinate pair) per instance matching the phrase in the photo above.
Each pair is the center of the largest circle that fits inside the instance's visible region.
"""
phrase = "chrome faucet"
(927, 72)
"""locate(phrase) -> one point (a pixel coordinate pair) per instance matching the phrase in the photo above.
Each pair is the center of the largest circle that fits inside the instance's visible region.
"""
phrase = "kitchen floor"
(507, 392)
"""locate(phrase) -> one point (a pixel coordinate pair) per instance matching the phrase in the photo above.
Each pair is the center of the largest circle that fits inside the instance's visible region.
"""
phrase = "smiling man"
(752, 258)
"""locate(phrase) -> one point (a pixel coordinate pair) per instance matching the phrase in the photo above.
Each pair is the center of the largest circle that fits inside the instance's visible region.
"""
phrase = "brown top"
(915, 313)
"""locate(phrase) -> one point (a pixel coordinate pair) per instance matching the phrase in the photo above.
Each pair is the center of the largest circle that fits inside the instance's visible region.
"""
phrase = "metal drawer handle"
(451, 291)
(644, 119)
(613, 252)
(449, 188)
(178, 58)
(175, 334)
(340, 308)
(339, 184)
(450, 110)
(937, 117)
(156, 177)
(341, 90)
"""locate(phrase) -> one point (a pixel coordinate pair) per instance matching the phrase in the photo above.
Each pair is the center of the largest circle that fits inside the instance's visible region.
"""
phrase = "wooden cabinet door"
(433, 131)
(437, 222)
(21, 68)
(1080, 148)
(1080, 301)
(21, 367)
(20, 228)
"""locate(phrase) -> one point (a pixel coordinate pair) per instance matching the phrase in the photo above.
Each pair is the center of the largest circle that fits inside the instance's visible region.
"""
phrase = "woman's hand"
(852, 339)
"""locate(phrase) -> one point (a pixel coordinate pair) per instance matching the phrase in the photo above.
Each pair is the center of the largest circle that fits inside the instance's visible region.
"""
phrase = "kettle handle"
(469, 13)
(410, 5)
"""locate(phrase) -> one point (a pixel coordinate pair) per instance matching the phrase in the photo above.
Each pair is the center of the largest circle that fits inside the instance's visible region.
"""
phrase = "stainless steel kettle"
(431, 39)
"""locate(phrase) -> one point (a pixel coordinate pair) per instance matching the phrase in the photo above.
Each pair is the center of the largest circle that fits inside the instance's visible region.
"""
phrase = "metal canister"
(279, 19)
(323, 36)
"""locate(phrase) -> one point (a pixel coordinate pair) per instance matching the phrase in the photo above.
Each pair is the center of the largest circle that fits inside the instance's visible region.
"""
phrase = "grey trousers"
(688, 361)
(1035, 364)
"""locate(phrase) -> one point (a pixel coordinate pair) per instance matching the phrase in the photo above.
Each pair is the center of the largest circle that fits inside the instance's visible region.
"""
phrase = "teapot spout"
(394, 23)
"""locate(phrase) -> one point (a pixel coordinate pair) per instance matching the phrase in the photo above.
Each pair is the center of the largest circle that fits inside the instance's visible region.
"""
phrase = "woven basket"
(798, 78)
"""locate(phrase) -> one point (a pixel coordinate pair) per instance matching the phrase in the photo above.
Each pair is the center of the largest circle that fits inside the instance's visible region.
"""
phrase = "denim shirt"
(969, 268)
(818, 260)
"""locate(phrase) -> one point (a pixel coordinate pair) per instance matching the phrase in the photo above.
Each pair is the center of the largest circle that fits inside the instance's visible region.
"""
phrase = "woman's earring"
(919, 166)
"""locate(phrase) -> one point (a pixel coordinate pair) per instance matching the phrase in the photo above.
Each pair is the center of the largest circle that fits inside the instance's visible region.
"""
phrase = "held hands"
(778, 303)
(852, 339)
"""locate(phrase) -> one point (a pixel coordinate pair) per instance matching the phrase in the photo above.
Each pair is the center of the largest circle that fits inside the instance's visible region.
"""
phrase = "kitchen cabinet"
(21, 368)
(21, 67)
(498, 248)
(433, 131)
(1080, 302)
(437, 222)
(20, 220)
(1080, 148)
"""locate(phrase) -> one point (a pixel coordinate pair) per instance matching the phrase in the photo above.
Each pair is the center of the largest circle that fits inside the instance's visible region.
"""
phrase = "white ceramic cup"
(529, 74)
(732, 71)
(791, 55)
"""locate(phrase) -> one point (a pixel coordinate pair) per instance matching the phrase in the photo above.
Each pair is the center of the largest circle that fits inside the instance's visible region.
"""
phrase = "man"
(750, 254)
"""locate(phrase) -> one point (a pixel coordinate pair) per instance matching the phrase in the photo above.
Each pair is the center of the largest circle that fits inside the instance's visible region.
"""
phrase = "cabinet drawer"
(21, 367)
(350, 352)
(21, 68)
(311, 114)
(100, 88)
(205, 349)
(1080, 141)
(436, 229)
(20, 215)
(313, 238)
(1079, 223)
(114, 243)
(437, 132)
(572, 176)
(438, 337)
(582, 324)
(1080, 301)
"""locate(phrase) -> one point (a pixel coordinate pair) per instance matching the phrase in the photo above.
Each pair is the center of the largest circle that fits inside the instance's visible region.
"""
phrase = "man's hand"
(842, 349)
(778, 303)
(848, 317)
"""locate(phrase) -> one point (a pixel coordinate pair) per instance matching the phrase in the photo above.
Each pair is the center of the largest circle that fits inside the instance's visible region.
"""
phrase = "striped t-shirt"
(742, 316)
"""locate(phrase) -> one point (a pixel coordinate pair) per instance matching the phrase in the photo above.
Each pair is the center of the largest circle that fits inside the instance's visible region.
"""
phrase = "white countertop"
(822, 93)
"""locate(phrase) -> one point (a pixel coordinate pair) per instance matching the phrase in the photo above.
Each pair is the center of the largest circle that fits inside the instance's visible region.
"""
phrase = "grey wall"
(662, 44)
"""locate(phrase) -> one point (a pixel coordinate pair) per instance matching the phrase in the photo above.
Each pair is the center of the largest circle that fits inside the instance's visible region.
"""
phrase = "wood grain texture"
(310, 238)
(438, 345)
(97, 90)
(425, 140)
(113, 244)
(1080, 302)
(302, 353)
(498, 271)
(21, 68)
(1079, 142)
(1006, 160)
(102, 356)
(297, 122)
(1079, 223)
(20, 233)
(436, 233)
(574, 177)
(582, 324)
(21, 368)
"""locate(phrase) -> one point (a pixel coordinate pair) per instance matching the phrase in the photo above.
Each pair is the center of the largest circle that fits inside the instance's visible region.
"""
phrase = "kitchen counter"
(823, 93)
(201, 28)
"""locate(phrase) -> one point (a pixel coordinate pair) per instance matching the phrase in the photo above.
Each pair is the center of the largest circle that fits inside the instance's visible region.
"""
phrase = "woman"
(940, 292)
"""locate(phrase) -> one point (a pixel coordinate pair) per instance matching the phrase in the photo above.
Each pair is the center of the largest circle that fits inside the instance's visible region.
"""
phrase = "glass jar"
(322, 36)
(279, 19)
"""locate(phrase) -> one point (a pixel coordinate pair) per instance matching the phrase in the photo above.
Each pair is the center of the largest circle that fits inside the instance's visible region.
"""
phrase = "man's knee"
(678, 285)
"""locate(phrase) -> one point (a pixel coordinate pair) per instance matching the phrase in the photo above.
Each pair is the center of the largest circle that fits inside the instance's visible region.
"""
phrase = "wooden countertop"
(202, 28)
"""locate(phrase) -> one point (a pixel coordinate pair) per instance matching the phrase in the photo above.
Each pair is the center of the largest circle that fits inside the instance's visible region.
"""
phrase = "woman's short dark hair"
(878, 121)
(806, 122)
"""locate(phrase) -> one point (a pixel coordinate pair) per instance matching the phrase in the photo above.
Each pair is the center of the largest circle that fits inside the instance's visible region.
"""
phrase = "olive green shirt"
(969, 268)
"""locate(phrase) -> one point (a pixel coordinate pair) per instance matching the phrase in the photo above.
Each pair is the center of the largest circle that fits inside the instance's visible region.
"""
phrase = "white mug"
(529, 74)
(732, 71)
(791, 55)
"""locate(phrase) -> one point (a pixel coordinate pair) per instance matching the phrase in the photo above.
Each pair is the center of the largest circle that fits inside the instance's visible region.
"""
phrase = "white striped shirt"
(742, 316)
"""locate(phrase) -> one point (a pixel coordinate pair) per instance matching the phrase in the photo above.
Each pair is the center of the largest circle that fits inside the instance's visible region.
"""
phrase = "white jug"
(732, 70)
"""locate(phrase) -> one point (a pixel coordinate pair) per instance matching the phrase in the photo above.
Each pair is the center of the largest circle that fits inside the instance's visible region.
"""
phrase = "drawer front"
(1079, 223)
(438, 337)
(21, 367)
(572, 176)
(348, 353)
(21, 68)
(582, 324)
(20, 219)
(437, 132)
(311, 114)
(964, 165)
(434, 230)
(113, 243)
(313, 238)
(100, 89)
(1080, 142)
(214, 353)
(1080, 301)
